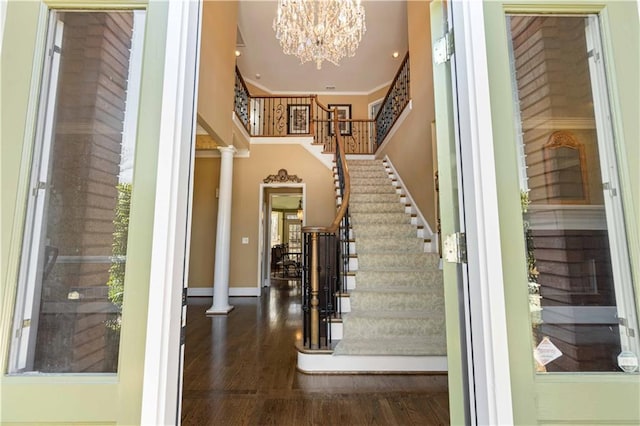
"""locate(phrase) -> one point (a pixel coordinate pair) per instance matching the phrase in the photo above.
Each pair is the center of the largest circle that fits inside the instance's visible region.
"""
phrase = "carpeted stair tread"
(373, 189)
(383, 245)
(398, 230)
(390, 324)
(400, 279)
(408, 346)
(379, 300)
(397, 261)
(369, 180)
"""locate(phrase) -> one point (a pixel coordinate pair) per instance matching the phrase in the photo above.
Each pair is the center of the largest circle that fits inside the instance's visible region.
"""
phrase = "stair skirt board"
(328, 363)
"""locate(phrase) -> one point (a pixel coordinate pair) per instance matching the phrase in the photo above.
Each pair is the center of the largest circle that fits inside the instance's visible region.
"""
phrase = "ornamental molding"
(282, 176)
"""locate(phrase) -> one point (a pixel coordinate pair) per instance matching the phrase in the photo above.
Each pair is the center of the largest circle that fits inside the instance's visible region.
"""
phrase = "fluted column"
(223, 235)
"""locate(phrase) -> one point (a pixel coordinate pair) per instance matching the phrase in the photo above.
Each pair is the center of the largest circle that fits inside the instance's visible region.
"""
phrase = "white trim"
(161, 378)
(326, 363)
(244, 291)
(325, 93)
(396, 126)
(239, 128)
(3, 17)
(421, 220)
(215, 153)
(549, 216)
(233, 291)
(200, 291)
(262, 255)
(492, 376)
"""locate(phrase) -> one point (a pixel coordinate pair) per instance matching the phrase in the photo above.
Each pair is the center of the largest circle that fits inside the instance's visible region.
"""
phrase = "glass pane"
(575, 297)
(72, 276)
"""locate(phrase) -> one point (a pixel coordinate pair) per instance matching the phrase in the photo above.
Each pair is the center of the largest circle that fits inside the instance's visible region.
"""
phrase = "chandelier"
(321, 30)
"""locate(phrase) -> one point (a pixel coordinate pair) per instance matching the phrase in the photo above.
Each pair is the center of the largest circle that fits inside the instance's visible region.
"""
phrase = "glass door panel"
(579, 274)
(75, 245)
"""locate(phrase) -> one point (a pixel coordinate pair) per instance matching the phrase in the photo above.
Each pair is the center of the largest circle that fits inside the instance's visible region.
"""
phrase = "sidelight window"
(74, 256)
(579, 278)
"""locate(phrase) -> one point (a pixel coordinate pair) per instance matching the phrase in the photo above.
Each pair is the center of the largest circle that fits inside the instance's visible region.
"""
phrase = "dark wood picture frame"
(344, 113)
(298, 116)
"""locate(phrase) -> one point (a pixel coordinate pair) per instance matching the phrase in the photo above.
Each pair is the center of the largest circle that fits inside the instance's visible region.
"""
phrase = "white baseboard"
(421, 220)
(328, 363)
(233, 291)
(244, 291)
(200, 291)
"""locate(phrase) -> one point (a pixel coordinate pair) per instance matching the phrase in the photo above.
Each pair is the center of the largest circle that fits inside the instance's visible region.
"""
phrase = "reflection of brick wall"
(574, 267)
(554, 92)
(86, 163)
(575, 271)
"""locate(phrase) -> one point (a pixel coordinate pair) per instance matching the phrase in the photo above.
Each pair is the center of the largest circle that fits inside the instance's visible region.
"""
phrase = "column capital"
(227, 149)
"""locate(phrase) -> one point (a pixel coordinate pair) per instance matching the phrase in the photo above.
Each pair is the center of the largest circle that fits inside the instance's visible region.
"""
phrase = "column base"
(219, 310)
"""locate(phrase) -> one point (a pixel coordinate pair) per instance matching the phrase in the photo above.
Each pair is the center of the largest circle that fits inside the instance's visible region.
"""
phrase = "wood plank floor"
(240, 369)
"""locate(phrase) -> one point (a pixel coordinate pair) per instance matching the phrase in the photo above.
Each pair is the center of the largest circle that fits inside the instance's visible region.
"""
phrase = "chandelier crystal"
(320, 30)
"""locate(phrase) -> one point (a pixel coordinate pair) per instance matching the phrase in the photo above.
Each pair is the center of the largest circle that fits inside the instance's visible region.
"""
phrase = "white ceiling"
(371, 68)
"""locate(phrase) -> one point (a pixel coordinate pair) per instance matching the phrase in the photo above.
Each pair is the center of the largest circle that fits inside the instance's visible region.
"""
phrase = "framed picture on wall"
(298, 119)
(344, 113)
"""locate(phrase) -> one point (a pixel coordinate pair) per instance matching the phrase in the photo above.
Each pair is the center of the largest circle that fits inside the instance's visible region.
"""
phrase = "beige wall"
(410, 148)
(359, 103)
(204, 222)
(217, 68)
(248, 174)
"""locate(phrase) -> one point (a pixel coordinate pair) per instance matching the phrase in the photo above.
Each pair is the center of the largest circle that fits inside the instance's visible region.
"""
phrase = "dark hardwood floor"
(240, 369)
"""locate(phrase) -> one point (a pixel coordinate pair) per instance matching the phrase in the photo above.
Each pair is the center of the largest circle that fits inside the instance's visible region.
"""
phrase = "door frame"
(479, 310)
(162, 378)
(264, 214)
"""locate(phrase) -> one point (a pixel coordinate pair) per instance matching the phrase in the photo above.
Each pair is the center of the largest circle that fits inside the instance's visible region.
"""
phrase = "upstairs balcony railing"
(295, 116)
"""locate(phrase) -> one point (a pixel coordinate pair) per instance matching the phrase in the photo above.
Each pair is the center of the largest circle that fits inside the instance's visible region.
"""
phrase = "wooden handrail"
(393, 82)
(244, 85)
(340, 153)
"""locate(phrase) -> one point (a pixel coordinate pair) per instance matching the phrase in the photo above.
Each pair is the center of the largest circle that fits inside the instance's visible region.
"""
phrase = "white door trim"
(263, 216)
(491, 378)
(162, 363)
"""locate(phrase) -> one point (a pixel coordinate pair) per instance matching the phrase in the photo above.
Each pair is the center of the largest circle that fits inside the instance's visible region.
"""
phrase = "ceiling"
(371, 68)
(285, 202)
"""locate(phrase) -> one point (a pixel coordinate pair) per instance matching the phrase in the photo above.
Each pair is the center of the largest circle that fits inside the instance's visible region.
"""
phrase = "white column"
(223, 235)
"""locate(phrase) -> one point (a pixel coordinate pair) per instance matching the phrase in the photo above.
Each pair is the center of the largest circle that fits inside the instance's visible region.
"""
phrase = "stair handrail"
(340, 159)
(394, 103)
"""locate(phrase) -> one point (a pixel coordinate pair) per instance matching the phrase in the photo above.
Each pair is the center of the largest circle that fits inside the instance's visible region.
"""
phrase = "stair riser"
(393, 207)
(379, 218)
(396, 261)
(374, 328)
(377, 301)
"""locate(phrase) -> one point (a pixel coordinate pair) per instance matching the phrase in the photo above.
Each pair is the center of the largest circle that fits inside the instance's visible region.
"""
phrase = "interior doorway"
(281, 220)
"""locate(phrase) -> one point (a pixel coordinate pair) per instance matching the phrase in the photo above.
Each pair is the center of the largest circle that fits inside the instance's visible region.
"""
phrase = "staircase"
(393, 317)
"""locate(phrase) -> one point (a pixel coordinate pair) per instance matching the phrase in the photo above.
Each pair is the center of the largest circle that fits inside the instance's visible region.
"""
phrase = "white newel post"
(223, 235)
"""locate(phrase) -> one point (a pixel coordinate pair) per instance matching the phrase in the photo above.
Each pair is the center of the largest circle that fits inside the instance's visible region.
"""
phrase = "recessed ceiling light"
(238, 53)
(258, 76)
(395, 54)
